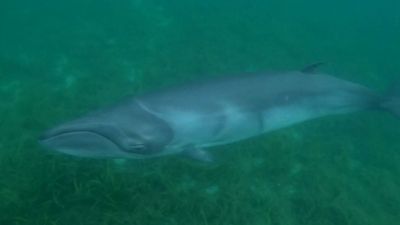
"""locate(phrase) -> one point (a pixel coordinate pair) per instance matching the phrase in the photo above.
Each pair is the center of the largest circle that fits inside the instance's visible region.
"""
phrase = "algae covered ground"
(60, 59)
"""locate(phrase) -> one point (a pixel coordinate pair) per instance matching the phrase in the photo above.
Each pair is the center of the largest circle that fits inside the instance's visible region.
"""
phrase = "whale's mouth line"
(45, 137)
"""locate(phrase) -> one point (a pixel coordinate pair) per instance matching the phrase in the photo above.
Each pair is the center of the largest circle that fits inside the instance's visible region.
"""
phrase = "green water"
(60, 59)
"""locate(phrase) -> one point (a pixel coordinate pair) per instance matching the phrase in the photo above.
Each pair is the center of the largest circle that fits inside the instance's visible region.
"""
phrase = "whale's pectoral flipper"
(197, 154)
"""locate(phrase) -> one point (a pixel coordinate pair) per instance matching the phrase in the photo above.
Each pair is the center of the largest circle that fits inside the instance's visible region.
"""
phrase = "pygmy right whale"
(189, 118)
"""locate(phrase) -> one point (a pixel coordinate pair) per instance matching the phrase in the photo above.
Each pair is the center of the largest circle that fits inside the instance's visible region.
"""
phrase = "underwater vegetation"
(60, 59)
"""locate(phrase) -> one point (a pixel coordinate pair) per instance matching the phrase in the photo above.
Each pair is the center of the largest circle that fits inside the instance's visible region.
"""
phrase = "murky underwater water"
(60, 59)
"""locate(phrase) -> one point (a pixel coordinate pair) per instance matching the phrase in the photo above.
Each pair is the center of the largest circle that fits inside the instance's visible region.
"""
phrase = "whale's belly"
(242, 125)
(230, 123)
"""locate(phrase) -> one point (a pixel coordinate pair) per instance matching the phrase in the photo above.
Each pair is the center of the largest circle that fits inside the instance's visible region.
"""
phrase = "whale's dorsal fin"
(312, 67)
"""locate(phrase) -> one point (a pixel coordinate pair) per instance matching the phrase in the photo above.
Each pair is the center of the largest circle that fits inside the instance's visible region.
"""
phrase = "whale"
(188, 119)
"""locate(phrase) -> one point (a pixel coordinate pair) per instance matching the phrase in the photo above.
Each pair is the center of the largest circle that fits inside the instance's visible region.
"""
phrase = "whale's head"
(137, 136)
(85, 139)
